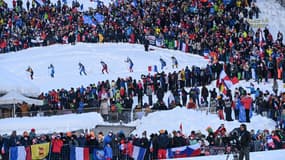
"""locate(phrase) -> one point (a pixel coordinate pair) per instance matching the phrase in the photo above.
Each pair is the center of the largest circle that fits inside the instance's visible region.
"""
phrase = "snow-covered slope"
(273, 12)
(65, 59)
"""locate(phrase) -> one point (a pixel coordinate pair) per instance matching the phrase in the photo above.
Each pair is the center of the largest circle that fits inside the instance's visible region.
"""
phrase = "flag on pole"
(225, 79)
(260, 42)
(223, 88)
(181, 127)
(231, 44)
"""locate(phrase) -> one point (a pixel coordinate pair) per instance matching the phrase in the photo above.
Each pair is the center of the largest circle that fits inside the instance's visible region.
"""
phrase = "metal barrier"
(117, 153)
(125, 115)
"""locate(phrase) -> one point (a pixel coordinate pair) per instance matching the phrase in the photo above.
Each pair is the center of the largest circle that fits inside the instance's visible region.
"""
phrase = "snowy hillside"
(65, 59)
(272, 13)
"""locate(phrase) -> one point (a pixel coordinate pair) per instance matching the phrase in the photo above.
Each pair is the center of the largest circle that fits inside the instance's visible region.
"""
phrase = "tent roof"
(13, 97)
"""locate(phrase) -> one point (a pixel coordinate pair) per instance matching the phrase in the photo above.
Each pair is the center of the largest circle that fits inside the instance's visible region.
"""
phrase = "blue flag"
(88, 20)
(99, 17)
(40, 2)
(98, 154)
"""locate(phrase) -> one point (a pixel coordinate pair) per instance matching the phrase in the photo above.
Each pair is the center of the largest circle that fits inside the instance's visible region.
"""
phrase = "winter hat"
(33, 130)
(209, 129)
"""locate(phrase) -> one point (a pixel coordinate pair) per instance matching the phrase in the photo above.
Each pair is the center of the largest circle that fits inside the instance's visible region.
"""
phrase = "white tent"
(14, 97)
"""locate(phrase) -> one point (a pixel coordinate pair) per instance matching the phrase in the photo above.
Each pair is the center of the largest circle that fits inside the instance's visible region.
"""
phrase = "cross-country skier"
(162, 62)
(104, 67)
(82, 69)
(30, 70)
(174, 62)
(131, 64)
(51, 68)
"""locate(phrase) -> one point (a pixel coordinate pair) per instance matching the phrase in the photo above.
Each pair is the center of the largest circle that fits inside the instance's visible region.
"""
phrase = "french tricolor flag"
(231, 44)
(138, 153)
(206, 53)
(79, 153)
(185, 47)
(19, 153)
(176, 44)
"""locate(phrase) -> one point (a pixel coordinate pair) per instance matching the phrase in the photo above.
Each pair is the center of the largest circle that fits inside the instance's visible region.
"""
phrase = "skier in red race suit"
(104, 67)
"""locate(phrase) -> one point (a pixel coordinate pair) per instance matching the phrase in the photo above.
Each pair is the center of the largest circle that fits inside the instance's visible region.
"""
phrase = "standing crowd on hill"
(195, 26)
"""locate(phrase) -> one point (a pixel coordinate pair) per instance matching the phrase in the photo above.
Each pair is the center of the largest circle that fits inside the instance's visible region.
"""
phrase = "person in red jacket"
(57, 144)
(247, 102)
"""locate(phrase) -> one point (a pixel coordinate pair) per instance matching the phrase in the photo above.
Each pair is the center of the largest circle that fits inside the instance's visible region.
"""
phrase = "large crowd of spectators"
(217, 28)
(214, 142)
(213, 27)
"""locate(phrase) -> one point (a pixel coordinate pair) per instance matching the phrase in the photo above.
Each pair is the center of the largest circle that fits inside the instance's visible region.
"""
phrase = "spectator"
(245, 139)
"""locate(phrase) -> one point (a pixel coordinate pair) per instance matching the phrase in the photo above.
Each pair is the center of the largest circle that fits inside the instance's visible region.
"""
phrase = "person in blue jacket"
(163, 63)
(51, 68)
(82, 69)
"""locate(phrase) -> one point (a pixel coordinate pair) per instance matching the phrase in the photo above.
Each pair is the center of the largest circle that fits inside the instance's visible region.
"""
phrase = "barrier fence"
(124, 115)
(118, 151)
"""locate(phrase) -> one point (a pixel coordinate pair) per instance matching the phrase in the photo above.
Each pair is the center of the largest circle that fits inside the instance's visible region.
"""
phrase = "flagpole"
(225, 84)
(9, 152)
